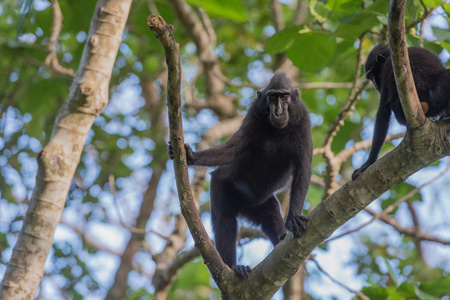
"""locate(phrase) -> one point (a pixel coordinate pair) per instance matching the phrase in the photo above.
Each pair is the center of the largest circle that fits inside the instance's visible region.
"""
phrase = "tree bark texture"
(58, 160)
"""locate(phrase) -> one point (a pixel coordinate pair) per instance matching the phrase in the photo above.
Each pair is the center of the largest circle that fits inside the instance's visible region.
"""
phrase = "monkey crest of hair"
(432, 81)
(272, 148)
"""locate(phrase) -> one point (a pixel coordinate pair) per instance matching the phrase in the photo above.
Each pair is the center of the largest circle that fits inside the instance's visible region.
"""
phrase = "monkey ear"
(381, 59)
(297, 93)
(258, 94)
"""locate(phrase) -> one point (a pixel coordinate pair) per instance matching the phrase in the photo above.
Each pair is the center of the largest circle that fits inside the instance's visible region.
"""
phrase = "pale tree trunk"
(58, 160)
(293, 289)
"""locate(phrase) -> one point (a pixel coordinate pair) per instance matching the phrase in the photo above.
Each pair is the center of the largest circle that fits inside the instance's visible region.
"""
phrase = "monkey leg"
(268, 215)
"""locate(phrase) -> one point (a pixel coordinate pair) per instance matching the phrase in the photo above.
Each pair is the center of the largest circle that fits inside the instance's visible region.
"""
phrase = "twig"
(362, 145)
(390, 208)
(358, 86)
(152, 7)
(51, 59)
(360, 294)
(277, 15)
(408, 231)
(416, 223)
(87, 240)
(425, 16)
(206, 21)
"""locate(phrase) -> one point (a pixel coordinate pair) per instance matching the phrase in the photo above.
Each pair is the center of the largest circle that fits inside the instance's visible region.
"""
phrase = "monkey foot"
(241, 271)
(296, 225)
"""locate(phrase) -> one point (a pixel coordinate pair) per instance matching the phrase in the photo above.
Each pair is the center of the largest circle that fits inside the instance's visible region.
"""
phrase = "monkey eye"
(284, 97)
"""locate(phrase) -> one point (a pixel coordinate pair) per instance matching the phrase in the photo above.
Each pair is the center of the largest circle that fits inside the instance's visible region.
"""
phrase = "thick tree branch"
(58, 160)
(189, 210)
(418, 149)
(402, 70)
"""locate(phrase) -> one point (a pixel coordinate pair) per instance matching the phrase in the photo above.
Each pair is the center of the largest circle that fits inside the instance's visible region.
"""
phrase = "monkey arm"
(299, 188)
(218, 155)
(379, 135)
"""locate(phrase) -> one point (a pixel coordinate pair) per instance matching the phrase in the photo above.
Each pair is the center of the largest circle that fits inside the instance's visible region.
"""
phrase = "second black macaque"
(272, 148)
(432, 82)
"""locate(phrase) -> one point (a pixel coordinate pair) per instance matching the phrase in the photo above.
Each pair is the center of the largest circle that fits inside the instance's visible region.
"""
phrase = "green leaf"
(433, 3)
(375, 292)
(438, 287)
(343, 4)
(441, 34)
(406, 290)
(231, 9)
(307, 61)
(318, 10)
(314, 196)
(391, 272)
(282, 40)
(359, 24)
(424, 296)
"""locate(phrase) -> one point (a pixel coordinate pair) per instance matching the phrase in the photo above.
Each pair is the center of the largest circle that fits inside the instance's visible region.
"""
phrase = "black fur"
(432, 82)
(272, 147)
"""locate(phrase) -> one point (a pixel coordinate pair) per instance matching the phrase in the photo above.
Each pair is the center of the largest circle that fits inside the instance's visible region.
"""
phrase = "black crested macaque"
(432, 82)
(272, 148)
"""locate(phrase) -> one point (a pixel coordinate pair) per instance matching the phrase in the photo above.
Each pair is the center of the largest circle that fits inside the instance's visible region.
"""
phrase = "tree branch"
(164, 33)
(51, 59)
(417, 150)
(359, 294)
(390, 208)
(402, 70)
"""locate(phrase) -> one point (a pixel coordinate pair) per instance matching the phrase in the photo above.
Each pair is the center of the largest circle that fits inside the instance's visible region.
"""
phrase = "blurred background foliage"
(124, 148)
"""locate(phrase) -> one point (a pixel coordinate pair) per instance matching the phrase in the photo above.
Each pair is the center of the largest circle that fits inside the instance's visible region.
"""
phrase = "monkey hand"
(357, 172)
(189, 153)
(241, 271)
(296, 225)
(170, 151)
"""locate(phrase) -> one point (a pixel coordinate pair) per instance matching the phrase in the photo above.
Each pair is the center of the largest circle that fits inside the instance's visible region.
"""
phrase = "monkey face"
(370, 76)
(278, 102)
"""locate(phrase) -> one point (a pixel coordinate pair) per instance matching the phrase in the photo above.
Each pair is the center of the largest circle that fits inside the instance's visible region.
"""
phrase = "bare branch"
(363, 145)
(410, 231)
(300, 12)
(277, 15)
(361, 295)
(425, 16)
(86, 239)
(188, 207)
(390, 208)
(416, 222)
(166, 277)
(51, 59)
(206, 21)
